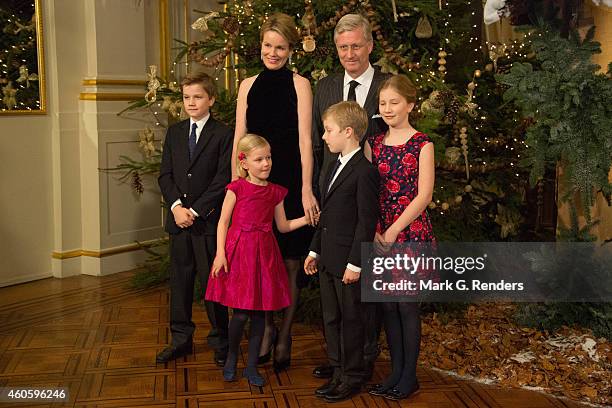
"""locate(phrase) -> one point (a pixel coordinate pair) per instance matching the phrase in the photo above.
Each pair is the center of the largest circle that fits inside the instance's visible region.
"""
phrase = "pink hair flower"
(241, 156)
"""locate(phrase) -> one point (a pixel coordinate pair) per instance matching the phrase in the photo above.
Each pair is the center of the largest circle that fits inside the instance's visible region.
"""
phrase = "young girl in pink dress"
(248, 273)
(405, 161)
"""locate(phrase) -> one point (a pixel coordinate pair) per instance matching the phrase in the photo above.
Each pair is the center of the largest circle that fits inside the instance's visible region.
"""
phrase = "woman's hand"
(219, 263)
(311, 207)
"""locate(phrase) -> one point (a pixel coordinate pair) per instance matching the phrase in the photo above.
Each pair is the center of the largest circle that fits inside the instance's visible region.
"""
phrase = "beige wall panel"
(120, 38)
(26, 230)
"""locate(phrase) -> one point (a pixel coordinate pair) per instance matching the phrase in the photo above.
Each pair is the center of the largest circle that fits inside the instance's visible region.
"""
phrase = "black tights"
(403, 328)
(236, 328)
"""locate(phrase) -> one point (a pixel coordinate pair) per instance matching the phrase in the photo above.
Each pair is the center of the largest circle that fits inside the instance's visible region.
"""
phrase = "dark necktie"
(332, 173)
(192, 140)
(351, 94)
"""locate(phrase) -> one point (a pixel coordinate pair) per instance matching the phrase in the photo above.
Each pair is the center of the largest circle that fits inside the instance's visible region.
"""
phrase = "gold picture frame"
(22, 91)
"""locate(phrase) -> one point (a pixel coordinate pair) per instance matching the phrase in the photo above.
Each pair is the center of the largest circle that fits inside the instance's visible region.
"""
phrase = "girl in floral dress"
(405, 161)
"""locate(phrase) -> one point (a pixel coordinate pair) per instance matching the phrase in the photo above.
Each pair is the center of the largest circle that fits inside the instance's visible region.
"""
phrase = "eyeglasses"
(352, 47)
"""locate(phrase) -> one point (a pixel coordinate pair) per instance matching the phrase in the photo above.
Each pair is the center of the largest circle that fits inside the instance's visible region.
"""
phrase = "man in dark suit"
(349, 212)
(359, 82)
(195, 169)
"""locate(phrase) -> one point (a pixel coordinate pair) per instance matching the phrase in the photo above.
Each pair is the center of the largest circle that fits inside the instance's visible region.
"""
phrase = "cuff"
(193, 212)
(174, 204)
(353, 268)
(314, 255)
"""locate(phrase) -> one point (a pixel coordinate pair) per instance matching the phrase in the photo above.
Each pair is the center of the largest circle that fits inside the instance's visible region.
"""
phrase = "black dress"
(272, 114)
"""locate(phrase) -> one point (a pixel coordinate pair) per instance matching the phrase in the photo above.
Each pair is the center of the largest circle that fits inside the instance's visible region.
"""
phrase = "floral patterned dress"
(398, 167)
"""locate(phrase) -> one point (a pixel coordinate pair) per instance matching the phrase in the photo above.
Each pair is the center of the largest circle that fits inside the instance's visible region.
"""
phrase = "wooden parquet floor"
(99, 339)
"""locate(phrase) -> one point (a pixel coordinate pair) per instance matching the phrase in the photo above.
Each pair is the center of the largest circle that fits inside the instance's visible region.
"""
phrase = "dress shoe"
(342, 392)
(395, 395)
(378, 389)
(326, 388)
(253, 377)
(172, 353)
(263, 359)
(323, 371)
(220, 357)
(283, 364)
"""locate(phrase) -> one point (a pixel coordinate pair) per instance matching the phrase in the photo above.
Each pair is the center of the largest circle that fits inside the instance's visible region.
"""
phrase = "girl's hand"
(317, 217)
(390, 236)
(311, 207)
(219, 263)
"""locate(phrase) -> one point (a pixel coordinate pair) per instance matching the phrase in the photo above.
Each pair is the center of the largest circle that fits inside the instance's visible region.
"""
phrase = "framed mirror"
(22, 75)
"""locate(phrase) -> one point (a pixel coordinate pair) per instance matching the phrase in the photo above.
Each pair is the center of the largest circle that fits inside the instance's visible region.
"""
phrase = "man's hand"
(182, 216)
(350, 276)
(310, 265)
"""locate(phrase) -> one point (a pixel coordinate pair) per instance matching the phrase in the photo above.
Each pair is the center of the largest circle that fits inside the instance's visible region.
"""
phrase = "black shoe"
(395, 395)
(378, 389)
(323, 371)
(220, 357)
(342, 392)
(172, 353)
(283, 364)
(326, 388)
(266, 357)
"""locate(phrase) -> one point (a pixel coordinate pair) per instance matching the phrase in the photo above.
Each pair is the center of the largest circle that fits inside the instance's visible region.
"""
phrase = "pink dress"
(257, 278)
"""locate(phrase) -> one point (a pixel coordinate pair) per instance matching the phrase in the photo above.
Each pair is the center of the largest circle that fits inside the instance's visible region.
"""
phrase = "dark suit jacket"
(200, 184)
(328, 92)
(349, 212)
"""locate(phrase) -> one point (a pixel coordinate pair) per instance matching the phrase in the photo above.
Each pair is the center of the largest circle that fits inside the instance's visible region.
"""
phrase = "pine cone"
(230, 25)
(137, 183)
(451, 111)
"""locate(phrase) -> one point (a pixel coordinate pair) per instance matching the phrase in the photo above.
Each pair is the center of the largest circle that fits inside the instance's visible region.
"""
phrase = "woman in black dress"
(277, 104)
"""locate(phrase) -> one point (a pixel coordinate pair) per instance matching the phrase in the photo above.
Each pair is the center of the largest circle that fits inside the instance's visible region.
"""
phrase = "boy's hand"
(182, 216)
(219, 263)
(310, 265)
(350, 276)
(380, 246)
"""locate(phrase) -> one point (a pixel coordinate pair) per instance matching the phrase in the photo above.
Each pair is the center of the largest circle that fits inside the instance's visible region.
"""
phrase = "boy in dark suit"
(195, 169)
(349, 211)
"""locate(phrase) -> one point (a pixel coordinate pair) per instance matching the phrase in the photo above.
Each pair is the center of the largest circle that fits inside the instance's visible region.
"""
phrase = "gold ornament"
(444, 206)
(464, 148)
(489, 67)
(458, 199)
(442, 62)
(153, 84)
(477, 73)
(468, 188)
(423, 29)
(309, 44)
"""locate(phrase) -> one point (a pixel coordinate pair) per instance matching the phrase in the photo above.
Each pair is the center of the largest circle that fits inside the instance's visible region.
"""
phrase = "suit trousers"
(342, 321)
(191, 254)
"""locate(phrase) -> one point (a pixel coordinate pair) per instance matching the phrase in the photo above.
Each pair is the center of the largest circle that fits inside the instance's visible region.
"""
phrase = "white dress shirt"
(361, 92)
(200, 125)
(343, 160)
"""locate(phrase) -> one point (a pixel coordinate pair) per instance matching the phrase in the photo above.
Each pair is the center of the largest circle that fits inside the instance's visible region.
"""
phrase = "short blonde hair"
(348, 114)
(247, 143)
(282, 24)
(352, 22)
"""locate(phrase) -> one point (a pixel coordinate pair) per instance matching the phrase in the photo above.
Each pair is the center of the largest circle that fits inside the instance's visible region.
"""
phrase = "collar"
(200, 122)
(365, 78)
(345, 159)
